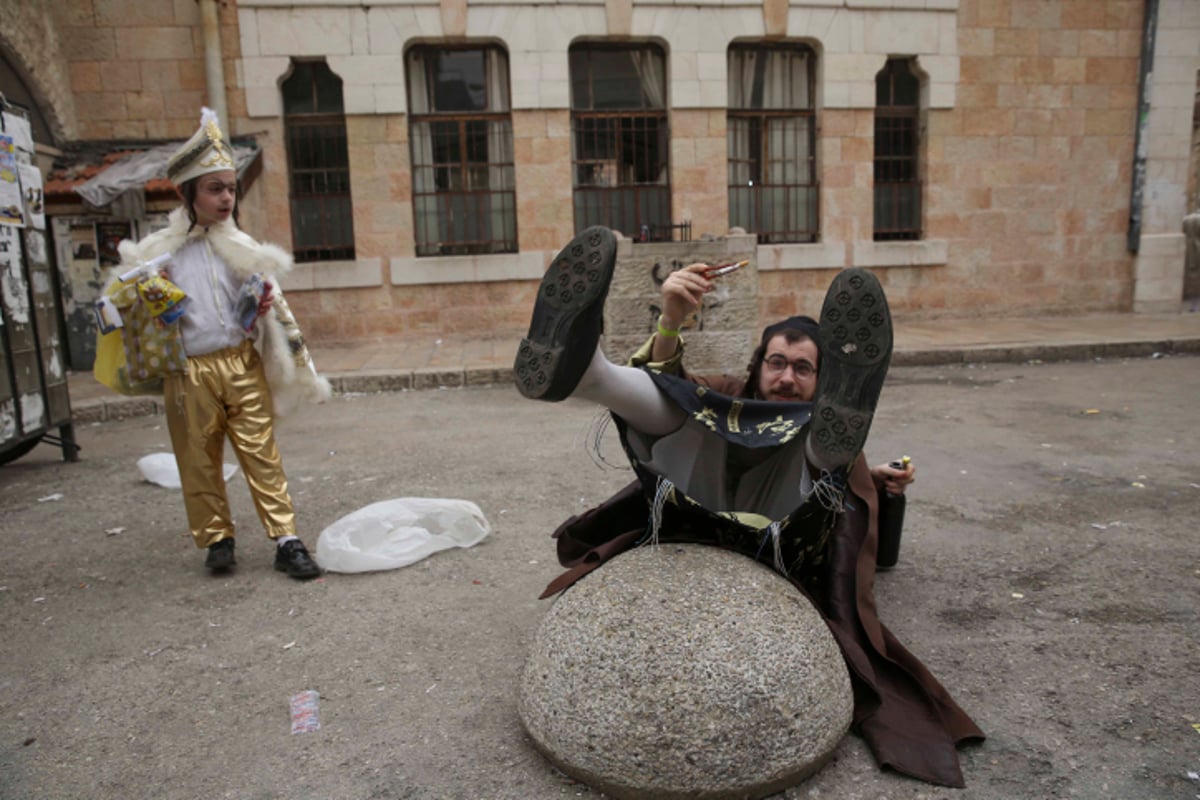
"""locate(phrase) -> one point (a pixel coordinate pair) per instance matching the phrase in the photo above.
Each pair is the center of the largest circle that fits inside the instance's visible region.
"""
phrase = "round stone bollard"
(685, 671)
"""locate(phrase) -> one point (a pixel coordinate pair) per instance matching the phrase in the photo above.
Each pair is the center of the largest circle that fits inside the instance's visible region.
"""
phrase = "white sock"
(282, 540)
(817, 462)
(631, 394)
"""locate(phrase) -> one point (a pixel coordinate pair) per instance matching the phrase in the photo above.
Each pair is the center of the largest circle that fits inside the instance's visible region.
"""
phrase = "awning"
(101, 174)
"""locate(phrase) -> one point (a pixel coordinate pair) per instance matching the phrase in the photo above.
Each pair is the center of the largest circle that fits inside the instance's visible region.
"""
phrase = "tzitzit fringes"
(830, 492)
(594, 439)
(774, 532)
(664, 488)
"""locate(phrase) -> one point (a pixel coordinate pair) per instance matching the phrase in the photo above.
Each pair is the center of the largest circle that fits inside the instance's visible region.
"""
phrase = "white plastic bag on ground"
(399, 532)
(160, 469)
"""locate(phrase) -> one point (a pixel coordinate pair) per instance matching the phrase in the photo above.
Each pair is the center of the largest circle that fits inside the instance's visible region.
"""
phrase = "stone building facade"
(1025, 120)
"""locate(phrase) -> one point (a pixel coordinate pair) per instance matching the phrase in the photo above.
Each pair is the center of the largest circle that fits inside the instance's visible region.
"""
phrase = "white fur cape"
(288, 367)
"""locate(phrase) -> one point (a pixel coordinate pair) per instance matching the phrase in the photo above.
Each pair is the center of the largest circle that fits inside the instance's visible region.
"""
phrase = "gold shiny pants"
(226, 394)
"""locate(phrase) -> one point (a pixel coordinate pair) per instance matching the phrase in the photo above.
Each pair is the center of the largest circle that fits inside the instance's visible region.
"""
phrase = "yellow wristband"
(666, 331)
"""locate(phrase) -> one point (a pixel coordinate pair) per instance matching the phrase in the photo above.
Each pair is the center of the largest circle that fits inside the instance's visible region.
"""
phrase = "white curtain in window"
(650, 72)
(425, 209)
(785, 80)
(497, 80)
(741, 77)
(498, 208)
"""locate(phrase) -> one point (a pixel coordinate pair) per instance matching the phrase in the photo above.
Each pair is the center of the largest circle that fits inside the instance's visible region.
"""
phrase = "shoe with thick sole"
(856, 348)
(293, 558)
(568, 317)
(220, 555)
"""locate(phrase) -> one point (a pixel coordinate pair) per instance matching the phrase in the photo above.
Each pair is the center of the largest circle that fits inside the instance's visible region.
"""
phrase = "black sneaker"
(293, 558)
(220, 555)
(568, 317)
(856, 347)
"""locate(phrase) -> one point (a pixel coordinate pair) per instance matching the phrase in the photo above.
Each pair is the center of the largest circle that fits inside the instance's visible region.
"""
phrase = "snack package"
(163, 299)
(249, 300)
(108, 318)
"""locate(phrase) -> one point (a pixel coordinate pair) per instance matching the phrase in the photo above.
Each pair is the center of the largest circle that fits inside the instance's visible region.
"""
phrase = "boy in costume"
(245, 355)
(770, 465)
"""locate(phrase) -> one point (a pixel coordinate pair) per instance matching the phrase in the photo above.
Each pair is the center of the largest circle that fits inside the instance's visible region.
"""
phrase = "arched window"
(318, 164)
(897, 152)
(773, 187)
(460, 132)
(620, 141)
(17, 93)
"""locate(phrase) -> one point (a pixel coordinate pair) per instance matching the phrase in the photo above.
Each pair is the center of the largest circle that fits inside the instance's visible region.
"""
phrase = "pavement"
(433, 361)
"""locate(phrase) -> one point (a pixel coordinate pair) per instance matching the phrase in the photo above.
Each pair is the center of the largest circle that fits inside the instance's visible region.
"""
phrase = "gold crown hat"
(207, 151)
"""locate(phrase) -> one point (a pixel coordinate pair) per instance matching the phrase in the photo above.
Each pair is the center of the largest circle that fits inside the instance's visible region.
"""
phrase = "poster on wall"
(14, 292)
(31, 187)
(20, 130)
(108, 236)
(11, 203)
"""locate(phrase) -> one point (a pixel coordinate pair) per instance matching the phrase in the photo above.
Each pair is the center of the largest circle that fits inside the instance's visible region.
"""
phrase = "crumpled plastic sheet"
(161, 470)
(398, 532)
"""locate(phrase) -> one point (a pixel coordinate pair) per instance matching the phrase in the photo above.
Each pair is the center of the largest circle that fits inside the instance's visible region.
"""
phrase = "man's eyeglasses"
(777, 364)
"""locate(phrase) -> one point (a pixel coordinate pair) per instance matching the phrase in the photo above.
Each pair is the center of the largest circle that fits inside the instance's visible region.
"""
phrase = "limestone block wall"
(1028, 115)
(1029, 175)
(1159, 271)
(726, 327)
(136, 69)
(364, 44)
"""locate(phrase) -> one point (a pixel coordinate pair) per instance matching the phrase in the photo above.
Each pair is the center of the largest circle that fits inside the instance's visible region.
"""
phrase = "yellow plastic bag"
(109, 368)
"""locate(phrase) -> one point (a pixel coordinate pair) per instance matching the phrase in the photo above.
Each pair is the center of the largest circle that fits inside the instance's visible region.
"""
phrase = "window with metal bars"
(620, 140)
(773, 187)
(318, 164)
(897, 152)
(460, 132)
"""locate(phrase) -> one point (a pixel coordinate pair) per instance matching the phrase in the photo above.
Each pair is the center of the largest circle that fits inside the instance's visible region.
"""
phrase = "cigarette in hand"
(724, 269)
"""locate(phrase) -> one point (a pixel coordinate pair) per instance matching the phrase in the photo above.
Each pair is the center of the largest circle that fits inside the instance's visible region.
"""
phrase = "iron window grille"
(460, 133)
(773, 187)
(318, 164)
(620, 140)
(897, 153)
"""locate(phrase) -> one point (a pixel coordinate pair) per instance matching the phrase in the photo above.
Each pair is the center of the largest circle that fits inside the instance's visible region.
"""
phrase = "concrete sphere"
(685, 671)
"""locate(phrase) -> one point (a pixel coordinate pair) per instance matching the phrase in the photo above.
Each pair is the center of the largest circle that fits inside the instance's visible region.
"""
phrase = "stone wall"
(1027, 126)
(136, 68)
(725, 329)
(29, 40)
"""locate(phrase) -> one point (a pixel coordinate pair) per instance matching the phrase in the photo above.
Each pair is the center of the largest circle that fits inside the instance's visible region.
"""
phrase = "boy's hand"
(268, 298)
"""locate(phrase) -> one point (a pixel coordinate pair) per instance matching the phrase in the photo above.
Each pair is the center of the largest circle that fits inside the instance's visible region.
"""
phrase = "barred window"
(773, 188)
(460, 132)
(897, 152)
(318, 164)
(620, 140)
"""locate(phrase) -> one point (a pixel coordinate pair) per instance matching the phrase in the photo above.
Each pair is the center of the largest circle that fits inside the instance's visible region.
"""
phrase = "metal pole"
(1140, 143)
(214, 65)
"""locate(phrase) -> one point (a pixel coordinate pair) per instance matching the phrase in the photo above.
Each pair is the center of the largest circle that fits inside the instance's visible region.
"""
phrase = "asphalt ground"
(1048, 576)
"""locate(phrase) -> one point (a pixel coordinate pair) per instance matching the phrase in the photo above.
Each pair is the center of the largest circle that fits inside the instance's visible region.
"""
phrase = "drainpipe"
(1140, 143)
(214, 65)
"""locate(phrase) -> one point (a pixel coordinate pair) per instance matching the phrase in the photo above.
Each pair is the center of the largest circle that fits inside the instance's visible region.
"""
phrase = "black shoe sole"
(856, 348)
(568, 317)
